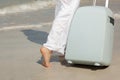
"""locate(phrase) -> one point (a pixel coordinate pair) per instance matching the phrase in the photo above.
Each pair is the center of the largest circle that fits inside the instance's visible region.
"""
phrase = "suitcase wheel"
(70, 62)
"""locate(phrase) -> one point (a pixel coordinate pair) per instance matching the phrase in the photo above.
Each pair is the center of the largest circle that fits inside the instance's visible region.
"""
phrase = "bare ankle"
(46, 53)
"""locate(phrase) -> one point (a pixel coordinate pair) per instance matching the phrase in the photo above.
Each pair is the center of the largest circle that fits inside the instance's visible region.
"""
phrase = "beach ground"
(20, 58)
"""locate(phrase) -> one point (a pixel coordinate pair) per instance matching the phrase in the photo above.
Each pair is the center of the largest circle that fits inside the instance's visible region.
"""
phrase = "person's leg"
(46, 51)
(57, 37)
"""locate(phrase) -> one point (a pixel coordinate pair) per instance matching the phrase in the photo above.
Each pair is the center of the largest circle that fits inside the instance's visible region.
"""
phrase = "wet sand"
(5, 3)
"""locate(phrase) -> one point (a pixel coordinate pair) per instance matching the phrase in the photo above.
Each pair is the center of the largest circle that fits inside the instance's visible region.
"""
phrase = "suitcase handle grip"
(106, 3)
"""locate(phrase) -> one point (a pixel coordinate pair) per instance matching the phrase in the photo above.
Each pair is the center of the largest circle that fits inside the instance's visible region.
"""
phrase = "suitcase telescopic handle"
(106, 3)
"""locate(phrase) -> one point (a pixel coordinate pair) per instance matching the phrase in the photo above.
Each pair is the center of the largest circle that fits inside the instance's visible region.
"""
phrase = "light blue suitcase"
(90, 39)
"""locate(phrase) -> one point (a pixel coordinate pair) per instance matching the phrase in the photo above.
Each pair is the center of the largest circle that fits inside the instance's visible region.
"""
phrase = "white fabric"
(64, 12)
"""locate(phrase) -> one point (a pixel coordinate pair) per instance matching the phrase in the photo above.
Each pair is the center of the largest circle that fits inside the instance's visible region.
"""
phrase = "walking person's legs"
(57, 37)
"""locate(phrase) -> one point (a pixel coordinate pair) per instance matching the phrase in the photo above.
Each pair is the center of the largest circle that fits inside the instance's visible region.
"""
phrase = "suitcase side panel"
(81, 47)
(108, 46)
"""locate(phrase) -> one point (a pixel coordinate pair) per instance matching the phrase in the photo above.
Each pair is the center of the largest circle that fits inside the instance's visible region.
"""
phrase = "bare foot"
(46, 53)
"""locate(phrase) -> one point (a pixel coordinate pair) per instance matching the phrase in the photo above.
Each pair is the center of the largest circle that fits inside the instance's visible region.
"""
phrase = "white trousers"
(57, 37)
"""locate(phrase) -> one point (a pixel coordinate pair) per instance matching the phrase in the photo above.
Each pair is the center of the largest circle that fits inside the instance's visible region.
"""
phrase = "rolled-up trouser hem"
(59, 51)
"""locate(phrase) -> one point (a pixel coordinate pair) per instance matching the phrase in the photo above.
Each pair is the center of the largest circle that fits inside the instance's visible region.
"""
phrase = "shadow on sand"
(35, 36)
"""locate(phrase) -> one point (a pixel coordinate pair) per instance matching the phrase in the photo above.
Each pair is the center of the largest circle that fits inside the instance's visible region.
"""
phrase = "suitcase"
(90, 38)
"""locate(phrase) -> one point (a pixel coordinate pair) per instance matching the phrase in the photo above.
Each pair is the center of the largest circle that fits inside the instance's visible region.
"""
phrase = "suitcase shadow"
(94, 68)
